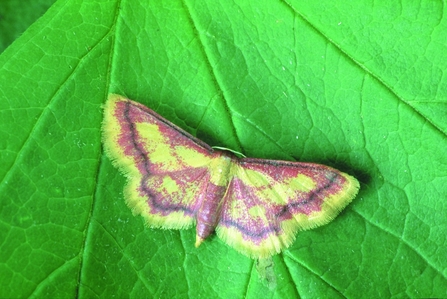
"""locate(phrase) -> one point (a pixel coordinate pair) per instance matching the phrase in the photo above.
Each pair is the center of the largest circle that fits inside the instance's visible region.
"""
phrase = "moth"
(174, 180)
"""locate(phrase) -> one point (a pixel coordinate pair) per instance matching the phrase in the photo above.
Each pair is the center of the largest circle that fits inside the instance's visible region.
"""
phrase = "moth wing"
(268, 202)
(167, 168)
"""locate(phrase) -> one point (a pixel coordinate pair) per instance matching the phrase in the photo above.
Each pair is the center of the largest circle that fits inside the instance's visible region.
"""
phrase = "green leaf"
(357, 86)
(17, 15)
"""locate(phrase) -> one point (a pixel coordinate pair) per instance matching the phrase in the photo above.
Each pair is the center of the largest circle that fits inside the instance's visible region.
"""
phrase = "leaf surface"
(358, 87)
